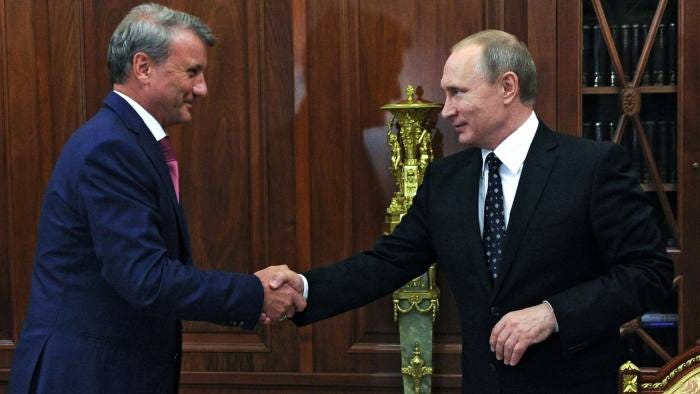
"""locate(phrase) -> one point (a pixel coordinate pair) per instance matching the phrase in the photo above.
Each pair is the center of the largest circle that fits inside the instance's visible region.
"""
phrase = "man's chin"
(464, 138)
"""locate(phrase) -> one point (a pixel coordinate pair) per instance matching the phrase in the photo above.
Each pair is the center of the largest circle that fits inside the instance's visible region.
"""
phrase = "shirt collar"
(513, 150)
(153, 126)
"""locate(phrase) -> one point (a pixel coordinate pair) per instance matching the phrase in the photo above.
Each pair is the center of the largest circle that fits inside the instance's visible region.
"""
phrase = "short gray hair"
(503, 52)
(148, 28)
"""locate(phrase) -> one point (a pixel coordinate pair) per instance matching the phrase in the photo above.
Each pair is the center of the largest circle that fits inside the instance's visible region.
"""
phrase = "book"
(671, 164)
(587, 131)
(614, 79)
(651, 135)
(586, 58)
(663, 149)
(658, 57)
(625, 46)
(658, 319)
(601, 61)
(671, 53)
(646, 74)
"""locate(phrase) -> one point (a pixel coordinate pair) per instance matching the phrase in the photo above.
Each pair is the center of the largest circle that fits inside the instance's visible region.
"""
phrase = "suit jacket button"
(494, 311)
(492, 366)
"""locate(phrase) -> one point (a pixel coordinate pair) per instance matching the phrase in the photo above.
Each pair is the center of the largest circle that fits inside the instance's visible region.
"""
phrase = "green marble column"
(416, 304)
(415, 307)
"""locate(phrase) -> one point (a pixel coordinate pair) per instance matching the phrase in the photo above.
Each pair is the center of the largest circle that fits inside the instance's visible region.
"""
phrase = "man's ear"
(142, 67)
(511, 87)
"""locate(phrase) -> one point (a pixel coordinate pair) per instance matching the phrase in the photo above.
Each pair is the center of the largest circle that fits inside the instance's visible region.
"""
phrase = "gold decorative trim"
(416, 369)
(676, 371)
(414, 299)
(413, 294)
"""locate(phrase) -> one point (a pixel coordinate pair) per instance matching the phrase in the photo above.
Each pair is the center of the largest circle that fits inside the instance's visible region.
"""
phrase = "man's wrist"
(556, 324)
(306, 286)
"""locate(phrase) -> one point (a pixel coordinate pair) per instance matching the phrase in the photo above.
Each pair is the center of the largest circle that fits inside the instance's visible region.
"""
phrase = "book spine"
(658, 57)
(601, 63)
(663, 149)
(614, 79)
(671, 53)
(626, 50)
(672, 170)
(587, 50)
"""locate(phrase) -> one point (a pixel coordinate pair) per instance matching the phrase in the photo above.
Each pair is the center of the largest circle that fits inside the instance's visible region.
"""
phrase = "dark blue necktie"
(494, 219)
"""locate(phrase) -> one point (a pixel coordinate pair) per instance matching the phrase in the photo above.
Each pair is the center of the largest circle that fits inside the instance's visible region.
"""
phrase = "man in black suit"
(565, 252)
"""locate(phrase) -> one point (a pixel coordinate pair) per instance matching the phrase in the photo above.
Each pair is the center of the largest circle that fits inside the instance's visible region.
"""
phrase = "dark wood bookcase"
(626, 73)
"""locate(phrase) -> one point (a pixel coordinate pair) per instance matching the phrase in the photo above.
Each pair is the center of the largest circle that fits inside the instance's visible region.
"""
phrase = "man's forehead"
(457, 66)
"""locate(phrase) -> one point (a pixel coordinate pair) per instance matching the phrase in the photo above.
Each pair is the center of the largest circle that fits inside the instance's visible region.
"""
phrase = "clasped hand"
(518, 330)
(283, 289)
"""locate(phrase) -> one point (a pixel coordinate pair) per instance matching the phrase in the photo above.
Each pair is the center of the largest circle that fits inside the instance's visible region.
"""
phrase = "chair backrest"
(679, 375)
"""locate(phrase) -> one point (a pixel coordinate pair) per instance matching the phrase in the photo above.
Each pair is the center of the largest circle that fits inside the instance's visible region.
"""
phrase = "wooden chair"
(635, 326)
(680, 375)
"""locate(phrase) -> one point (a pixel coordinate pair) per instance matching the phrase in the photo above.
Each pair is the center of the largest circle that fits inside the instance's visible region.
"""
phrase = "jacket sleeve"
(118, 190)
(395, 259)
(638, 274)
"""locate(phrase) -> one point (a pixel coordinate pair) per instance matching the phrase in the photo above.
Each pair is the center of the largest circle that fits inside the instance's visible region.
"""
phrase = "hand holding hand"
(282, 297)
(517, 330)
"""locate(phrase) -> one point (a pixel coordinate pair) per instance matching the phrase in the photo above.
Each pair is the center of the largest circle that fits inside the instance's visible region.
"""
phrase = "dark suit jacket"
(580, 235)
(113, 274)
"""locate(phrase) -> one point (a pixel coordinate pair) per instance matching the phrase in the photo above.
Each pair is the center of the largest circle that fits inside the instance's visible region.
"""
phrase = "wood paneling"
(569, 67)
(688, 155)
(6, 306)
(285, 161)
(542, 43)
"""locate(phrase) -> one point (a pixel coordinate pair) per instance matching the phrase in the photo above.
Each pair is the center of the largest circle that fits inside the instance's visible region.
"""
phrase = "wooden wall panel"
(6, 307)
(542, 42)
(42, 91)
(689, 166)
(569, 51)
(285, 161)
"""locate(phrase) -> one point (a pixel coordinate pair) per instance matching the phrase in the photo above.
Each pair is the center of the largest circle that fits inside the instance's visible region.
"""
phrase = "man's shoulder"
(456, 160)
(577, 147)
(104, 125)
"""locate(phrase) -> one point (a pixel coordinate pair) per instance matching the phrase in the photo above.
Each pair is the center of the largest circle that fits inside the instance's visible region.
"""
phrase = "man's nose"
(448, 109)
(200, 86)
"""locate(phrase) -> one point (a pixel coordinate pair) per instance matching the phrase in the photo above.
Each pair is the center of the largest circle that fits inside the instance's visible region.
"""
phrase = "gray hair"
(503, 52)
(148, 28)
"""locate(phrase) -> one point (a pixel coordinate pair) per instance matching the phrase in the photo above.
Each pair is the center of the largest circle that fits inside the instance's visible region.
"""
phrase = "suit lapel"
(152, 149)
(467, 206)
(540, 160)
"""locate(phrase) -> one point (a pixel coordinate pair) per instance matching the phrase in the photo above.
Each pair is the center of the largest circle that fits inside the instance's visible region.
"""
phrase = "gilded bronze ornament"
(416, 305)
(417, 369)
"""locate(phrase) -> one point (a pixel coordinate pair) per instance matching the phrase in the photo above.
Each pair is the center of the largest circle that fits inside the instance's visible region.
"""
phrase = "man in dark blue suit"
(113, 275)
(546, 240)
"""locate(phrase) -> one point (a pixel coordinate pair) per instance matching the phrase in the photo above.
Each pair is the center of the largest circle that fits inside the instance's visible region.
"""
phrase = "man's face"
(472, 105)
(178, 81)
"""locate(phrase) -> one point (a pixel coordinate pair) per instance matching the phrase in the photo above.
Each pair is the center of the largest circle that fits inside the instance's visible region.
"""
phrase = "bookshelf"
(632, 79)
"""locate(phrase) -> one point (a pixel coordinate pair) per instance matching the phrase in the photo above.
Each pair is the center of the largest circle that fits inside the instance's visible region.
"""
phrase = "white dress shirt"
(511, 152)
(153, 126)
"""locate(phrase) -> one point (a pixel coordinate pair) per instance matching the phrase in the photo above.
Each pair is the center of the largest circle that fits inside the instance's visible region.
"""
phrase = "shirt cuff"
(556, 324)
(306, 287)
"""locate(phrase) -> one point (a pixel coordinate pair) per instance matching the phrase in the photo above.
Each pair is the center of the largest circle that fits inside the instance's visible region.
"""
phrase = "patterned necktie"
(169, 154)
(494, 220)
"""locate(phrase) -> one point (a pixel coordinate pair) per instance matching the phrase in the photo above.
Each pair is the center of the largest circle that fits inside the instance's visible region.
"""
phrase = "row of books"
(660, 134)
(598, 69)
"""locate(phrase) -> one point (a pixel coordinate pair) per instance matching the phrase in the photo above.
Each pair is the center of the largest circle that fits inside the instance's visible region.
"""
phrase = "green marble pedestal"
(416, 306)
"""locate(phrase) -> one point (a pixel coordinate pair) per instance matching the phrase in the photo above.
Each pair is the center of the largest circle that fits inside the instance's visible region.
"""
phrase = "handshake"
(284, 291)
